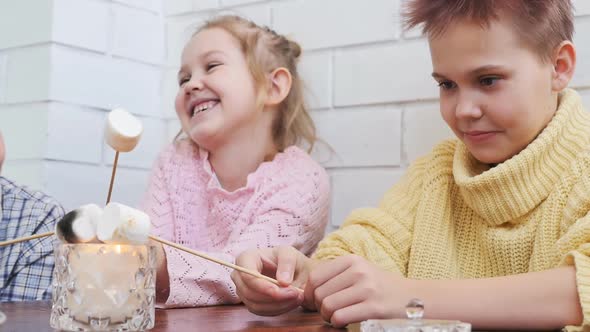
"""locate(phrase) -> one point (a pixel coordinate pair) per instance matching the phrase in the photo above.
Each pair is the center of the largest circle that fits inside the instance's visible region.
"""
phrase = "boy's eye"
(488, 81)
(446, 85)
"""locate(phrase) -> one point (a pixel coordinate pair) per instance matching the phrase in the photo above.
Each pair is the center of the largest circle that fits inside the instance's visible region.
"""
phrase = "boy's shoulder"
(439, 159)
(23, 200)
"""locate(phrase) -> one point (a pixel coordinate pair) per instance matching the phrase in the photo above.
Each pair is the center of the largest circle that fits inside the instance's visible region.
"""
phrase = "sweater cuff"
(582, 265)
(174, 267)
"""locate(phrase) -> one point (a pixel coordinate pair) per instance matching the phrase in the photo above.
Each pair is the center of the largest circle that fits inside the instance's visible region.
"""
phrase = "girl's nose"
(194, 84)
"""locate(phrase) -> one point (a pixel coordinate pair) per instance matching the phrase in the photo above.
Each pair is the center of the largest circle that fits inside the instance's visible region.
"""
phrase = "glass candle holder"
(103, 287)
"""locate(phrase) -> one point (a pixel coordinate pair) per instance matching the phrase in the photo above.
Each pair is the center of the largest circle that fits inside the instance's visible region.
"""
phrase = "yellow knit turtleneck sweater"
(453, 217)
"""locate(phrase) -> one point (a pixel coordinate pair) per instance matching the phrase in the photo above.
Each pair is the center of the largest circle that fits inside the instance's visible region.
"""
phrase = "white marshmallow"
(79, 225)
(123, 225)
(123, 130)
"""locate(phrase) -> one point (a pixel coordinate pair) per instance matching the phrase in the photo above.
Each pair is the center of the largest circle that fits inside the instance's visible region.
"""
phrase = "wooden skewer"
(113, 176)
(26, 238)
(173, 245)
(218, 261)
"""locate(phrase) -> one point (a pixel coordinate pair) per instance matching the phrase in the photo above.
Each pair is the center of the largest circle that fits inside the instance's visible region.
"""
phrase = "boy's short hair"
(541, 24)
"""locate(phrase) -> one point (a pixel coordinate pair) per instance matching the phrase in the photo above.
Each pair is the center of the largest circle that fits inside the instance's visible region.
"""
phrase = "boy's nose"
(468, 108)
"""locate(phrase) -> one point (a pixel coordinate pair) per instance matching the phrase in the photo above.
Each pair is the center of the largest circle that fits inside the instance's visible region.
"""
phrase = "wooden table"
(34, 316)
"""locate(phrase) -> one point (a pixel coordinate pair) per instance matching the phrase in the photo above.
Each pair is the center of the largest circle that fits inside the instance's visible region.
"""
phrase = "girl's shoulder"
(180, 154)
(293, 165)
(295, 159)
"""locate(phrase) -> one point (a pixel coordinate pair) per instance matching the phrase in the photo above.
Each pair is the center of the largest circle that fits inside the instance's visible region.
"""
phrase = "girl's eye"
(446, 85)
(212, 65)
(183, 81)
(488, 81)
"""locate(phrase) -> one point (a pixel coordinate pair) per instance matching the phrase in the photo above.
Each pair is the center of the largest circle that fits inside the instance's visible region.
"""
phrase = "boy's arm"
(546, 300)
(351, 289)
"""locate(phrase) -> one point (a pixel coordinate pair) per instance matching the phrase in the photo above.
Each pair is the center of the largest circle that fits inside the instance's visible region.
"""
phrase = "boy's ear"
(564, 64)
(280, 84)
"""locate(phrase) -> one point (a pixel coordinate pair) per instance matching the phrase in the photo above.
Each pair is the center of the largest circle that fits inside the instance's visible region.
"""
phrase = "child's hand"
(350, 289)
(287, 265)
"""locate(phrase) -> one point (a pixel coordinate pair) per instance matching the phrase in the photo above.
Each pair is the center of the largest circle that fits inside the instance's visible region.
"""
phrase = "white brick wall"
(27, 74)
(422, 128)
(353, 23)
(140, 41)
(367, 75)
(582, 75)
(63, 65)
(24, 22)
(357, 188)
(582, 7)
(359, 140)
(82, 23)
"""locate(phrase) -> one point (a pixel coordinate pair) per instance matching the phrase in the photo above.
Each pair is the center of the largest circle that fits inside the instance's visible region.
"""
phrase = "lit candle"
(105, 285)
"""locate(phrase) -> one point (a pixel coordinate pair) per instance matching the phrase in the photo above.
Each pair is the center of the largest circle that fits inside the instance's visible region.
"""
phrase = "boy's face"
(495, 93)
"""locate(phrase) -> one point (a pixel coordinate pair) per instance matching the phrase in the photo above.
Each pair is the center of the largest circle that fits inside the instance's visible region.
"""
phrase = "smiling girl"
(237, 180)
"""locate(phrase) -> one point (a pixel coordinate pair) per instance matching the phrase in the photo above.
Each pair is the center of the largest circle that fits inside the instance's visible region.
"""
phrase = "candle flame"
(118, 249)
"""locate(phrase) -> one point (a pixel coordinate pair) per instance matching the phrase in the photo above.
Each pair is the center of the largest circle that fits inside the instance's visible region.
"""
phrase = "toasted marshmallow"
(122, 224)
(79, 225)
(123, 130)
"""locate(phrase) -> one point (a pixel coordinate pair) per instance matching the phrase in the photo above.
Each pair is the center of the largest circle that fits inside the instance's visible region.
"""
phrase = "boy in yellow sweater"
(492, 228)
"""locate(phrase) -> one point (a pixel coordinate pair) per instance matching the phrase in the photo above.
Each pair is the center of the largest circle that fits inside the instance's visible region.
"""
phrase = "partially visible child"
(26, 268)
(238, 180)
(492, 228)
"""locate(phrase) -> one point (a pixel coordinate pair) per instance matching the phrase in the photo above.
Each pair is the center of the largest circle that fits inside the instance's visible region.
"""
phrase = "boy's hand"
(287, 265)
(350, 289)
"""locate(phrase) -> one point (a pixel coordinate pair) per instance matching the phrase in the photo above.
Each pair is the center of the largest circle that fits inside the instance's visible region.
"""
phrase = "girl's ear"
(280, 84)
(564, 64)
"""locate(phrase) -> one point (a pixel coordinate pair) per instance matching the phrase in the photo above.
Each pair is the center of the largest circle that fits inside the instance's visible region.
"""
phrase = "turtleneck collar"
(515, 187)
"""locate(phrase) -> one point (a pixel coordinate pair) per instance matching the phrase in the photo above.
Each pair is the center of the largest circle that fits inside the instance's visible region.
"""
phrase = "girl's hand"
(350, 289)
(162, 277)
(289, 266)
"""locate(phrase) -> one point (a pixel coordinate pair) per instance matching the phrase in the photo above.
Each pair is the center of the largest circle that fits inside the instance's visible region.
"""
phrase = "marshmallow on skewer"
(79, 225)
(122, 224)
(123, 130)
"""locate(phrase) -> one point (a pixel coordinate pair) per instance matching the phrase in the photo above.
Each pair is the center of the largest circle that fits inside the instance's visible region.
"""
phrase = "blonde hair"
(265, 50)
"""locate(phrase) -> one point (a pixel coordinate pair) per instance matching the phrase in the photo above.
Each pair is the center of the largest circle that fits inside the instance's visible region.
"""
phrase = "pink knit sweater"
(285, 202)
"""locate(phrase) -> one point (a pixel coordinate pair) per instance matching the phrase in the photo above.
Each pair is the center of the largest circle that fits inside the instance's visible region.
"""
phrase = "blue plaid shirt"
(26, 268)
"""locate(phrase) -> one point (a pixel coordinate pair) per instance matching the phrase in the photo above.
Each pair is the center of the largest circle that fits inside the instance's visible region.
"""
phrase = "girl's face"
(495, 93)
(216, 101)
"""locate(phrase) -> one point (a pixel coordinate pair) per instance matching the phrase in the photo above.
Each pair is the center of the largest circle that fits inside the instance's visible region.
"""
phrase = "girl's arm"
(157, 204)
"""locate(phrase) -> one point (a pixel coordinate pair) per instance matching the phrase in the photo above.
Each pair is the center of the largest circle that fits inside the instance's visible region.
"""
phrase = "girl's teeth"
(203, 108)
